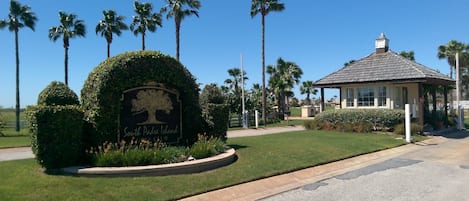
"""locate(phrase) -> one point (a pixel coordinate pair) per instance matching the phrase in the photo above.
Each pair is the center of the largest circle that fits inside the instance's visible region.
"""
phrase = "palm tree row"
(70, 26)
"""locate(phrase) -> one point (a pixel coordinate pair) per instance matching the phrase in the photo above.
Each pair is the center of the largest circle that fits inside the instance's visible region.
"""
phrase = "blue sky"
(319, 36)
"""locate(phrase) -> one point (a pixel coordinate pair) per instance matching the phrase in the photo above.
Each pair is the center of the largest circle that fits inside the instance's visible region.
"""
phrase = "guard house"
(384, 79)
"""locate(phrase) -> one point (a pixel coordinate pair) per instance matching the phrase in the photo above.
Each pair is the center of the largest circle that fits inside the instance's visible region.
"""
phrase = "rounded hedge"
(102, 92)
(57, 93)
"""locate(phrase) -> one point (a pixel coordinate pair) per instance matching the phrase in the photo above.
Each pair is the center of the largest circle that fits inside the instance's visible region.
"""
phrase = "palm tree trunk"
(178, 27)
(143, 40)
(66, 65)
(108, 50)
(263, 75)
(17, 83)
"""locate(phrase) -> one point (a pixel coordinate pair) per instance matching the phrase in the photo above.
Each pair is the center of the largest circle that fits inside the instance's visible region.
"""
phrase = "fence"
(11, 125)
(236, 120)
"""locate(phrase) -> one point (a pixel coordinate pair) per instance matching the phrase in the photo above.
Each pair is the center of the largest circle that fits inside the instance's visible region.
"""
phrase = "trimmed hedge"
(414, 129)
(57, 93)
(214, 112)
(102, 92)
(57, 135)
(357, 119)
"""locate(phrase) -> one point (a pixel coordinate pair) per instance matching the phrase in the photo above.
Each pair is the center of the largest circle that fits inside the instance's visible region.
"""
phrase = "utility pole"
(245, 123)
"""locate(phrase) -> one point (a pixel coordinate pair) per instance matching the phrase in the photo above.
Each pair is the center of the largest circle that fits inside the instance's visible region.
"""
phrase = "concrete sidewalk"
(16, 153)
(274, 185)
(263, 131)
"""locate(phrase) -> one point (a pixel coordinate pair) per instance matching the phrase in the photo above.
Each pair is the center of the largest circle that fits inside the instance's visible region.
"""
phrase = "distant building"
(383, 79)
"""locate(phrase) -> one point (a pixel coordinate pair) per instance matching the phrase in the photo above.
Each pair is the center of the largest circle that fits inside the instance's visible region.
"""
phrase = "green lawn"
(258, 157)
(15, 141)
(295, 111)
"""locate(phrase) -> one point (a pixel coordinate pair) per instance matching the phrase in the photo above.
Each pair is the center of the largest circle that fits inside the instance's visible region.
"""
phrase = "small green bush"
(57, 93)
(312, 124)
(214, 112)
(206, 147)
(57, 135)
(415, 128)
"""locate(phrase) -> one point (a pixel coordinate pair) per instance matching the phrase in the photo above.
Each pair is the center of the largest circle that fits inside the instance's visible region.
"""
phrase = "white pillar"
(256, 115)
(407, 123)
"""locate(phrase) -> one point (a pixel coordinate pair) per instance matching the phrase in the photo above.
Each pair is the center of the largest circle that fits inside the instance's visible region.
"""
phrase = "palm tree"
(264, 7)
(349, 62)
(19, 17)
(144, 20)
(255, 96)
(283, 77)
(69, 27)
(449, 51)
(307, 88)
(236, 80)
(179, 9)
(109, 25)
(234, 85)
(409, 55)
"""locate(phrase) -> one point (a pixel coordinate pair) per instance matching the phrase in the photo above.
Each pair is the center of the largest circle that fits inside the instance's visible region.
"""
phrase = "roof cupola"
(382, 44)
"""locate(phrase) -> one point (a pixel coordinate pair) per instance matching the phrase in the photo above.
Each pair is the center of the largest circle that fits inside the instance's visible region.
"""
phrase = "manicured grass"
(16, 141)
(295, 111)
(258, 157)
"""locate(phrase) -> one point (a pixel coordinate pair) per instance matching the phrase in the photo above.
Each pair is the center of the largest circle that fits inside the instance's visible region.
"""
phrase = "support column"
(340, 97)
(434, 98)
(421, 100)
(445, 94)
(321, 109)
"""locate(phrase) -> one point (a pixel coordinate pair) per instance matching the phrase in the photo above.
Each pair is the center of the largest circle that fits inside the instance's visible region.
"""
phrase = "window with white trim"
(382, 96)
(350, 97)
(366, 97)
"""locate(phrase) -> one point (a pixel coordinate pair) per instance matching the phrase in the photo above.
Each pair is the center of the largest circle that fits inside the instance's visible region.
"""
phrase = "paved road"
(435, 172)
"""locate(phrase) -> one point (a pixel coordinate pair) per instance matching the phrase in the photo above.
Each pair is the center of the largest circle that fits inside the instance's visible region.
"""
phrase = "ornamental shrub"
(378, 119)
(206, 147)
(414, 129)
(57, 93)
(102, 92)
(214, 112)
(57, 135)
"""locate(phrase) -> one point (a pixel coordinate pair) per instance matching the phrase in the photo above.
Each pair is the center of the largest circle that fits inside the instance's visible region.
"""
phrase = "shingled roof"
(385, 66)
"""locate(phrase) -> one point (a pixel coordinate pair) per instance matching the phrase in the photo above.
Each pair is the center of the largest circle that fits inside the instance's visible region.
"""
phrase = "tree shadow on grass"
(237, 146)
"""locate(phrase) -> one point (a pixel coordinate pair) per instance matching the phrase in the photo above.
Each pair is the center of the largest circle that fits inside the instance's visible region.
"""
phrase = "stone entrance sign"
(151, 112)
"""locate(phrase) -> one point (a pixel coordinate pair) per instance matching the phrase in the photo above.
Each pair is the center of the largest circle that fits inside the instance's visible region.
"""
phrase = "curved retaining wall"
(187, 167)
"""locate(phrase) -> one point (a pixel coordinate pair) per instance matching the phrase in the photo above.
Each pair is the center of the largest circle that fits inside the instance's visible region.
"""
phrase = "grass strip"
(258, 157)
(15, 141)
